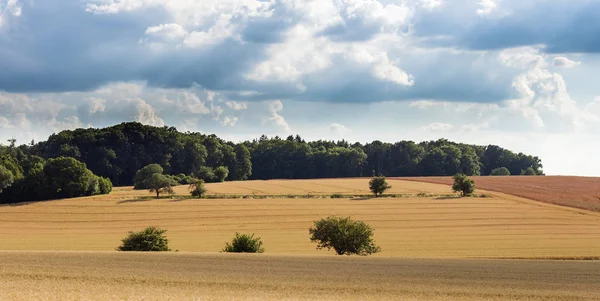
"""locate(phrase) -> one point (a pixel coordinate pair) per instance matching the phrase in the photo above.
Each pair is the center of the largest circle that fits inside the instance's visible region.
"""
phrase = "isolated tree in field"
(344, 235)
(463, 184)
(6, 178)
(197, 188)
(159, 183)
(151, 239)
(143, 175)
(528, 172)
(378, 185)
(500, 171)
(244, 243)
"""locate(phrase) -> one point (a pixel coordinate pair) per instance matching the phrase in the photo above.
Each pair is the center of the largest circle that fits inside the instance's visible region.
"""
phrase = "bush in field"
(205, 173)
(500, 171)
(244, 243)
(344, 235)
(197, 188)
(152, 239)
(378, 185)
(105, 185)
(463, 184)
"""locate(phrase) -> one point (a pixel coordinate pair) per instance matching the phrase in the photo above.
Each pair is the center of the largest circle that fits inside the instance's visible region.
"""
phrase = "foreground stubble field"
(85, 232)
(184, 276)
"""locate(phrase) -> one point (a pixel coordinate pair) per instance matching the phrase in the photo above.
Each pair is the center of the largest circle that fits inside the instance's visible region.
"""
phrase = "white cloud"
(96, 105)
(9, 9)
(563, 62)
(486, 7)
(146, 114)
(5, 123)
(229, 121)
(432, 4)
(337, 128)
(274, 107)
(237, 106)
(167, 31)
(541, 92)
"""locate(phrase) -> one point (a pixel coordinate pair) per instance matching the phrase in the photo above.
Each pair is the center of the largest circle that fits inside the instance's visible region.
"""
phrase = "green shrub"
(152, 239)
(197, 188)
(500, 171)
(337, 196)
(378, 185)
(244, 243)
(344, 235)
(105, 185)
(463, 184)
(221, 173)
(205, 173)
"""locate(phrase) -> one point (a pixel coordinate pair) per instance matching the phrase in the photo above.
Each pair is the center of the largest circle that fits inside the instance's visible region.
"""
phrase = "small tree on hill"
(143, 175)
(159, 183)
(500, 171)
(244, 243)
(197, 188)
(463, 184)
(344, 235)
(152, 239)
(378, 185)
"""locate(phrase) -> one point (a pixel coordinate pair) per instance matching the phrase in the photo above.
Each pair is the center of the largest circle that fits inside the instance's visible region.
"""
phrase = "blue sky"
(520, 74)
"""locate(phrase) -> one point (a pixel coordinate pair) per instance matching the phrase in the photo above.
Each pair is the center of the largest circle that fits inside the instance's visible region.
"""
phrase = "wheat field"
(186, 276)
(411, 226)
(434, 246)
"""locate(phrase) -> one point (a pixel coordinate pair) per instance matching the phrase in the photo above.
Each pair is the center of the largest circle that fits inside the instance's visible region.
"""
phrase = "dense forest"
(119, 151)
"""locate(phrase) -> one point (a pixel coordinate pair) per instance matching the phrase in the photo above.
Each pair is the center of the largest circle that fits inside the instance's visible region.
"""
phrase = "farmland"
(437, 226)
(578, 192)
(186, 276)
(435, 246)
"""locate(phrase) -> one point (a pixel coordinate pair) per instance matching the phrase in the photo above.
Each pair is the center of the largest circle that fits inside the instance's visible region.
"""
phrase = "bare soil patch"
(577, 192)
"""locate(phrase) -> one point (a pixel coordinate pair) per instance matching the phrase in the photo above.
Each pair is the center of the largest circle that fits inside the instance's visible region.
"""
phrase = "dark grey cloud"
(563, 26)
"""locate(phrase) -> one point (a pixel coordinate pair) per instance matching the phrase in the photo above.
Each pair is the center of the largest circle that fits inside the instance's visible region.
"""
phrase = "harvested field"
(300, 187)
(184, 276)
(578, 192)
(497, 226)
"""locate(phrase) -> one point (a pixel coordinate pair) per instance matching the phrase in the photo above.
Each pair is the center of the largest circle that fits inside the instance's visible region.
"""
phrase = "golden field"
(187, 276)
(434, 246)
(411, 226)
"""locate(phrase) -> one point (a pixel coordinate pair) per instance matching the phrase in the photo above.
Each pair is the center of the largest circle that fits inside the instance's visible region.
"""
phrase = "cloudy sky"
(520, 74)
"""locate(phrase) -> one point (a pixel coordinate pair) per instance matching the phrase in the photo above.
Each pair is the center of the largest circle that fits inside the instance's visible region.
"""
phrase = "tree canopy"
(118, 152)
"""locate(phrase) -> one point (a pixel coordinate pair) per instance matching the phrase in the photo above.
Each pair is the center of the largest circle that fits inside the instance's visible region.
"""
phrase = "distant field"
(497, 226)
(185, 276)
(300, 187)
(578, 192)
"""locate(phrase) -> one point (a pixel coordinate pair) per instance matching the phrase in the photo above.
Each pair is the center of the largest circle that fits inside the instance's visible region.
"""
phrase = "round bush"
(152, 239)
(244, 243)
(344, 235)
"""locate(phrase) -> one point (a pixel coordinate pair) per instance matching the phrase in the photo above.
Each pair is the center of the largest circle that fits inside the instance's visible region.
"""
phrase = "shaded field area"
(184, 276)
(577, 192)
(495, 226)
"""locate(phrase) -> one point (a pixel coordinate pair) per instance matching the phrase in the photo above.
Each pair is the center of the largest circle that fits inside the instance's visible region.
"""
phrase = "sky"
(519, 74)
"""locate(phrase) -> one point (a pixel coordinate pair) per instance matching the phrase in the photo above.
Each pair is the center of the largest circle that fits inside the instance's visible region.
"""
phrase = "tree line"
(118, 152)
